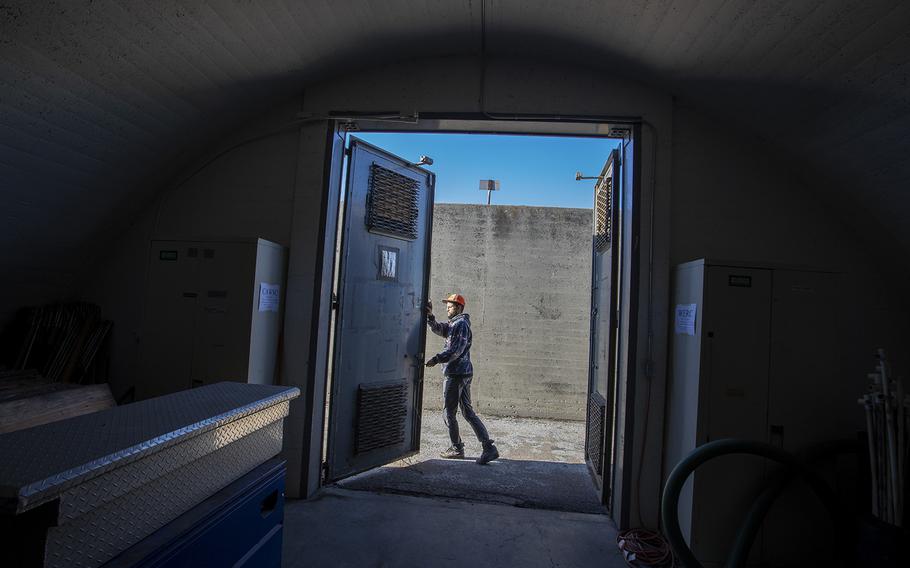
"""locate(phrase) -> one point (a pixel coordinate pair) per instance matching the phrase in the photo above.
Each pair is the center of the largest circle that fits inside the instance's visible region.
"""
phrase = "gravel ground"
(516, 438)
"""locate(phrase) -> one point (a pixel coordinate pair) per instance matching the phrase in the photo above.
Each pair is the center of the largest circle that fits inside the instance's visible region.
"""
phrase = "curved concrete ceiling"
(102, 100)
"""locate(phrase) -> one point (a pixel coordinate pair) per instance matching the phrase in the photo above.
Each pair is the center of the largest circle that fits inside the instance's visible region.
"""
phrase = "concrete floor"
(359, 529)
(541, 466)
(535, 507)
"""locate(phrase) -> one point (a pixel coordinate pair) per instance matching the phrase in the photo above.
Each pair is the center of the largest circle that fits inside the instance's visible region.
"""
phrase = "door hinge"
(334, 301)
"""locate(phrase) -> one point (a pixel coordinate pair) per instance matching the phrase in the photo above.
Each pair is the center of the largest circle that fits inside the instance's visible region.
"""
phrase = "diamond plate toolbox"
(116, 476)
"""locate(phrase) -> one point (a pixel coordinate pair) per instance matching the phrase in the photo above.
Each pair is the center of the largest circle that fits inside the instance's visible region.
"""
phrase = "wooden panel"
(51, 407)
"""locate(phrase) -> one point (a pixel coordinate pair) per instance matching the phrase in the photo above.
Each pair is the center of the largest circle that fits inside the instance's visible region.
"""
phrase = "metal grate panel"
(392, 203)
(381, 413)
(603, 214)
(594, 447)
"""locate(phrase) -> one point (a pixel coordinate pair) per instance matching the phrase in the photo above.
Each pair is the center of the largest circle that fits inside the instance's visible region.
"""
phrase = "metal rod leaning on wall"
(886, 422)
(890, 440)
(901, 446)
(866, 401)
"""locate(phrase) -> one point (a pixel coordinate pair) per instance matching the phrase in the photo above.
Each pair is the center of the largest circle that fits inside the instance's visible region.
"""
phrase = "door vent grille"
(392, 203)
(381, 413)
(603, 214)
(594, 448)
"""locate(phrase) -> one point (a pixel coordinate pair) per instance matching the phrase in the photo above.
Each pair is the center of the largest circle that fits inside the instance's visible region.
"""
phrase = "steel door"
(604, 325)
(377, 370)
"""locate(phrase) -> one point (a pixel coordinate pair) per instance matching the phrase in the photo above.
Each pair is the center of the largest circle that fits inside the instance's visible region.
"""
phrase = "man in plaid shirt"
(458, 372)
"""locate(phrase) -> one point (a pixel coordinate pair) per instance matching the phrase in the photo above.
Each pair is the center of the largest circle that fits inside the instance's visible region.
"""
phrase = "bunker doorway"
(609, 221)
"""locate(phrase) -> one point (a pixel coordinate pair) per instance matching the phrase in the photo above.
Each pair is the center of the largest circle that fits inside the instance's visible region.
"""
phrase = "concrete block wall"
(526, 274)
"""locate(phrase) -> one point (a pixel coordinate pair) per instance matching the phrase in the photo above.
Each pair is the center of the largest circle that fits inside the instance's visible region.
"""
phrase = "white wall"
(247, 192)
(735, 199)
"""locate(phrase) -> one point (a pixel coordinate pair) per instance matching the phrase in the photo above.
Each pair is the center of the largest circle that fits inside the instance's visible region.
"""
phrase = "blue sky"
(532, 170)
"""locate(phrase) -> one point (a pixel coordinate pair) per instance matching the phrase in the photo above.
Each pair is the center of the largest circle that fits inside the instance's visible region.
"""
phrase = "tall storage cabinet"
(754, 355)
(213, 312)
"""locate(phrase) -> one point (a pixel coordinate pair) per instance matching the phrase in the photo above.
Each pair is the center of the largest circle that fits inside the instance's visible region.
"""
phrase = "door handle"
(268, 504)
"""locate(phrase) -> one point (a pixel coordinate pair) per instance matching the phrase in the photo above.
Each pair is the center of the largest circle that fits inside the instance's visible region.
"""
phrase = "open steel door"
(604, 325)
(377, 370)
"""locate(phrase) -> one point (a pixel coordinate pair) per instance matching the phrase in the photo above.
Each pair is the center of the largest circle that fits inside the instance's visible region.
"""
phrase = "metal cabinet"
(241, 525)
(753, 354)
(213, 312)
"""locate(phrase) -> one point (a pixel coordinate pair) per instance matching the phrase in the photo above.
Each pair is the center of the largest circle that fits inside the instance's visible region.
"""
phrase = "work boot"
(453, 453)
(489, 454)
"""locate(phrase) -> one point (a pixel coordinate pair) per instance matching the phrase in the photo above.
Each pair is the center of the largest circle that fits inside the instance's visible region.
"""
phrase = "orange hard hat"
(455, 299)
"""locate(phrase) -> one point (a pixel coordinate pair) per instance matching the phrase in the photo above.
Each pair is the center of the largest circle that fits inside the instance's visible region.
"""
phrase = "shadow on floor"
(521, 483)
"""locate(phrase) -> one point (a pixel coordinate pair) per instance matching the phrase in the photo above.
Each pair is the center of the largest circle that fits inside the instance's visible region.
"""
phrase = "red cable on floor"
(642, 548)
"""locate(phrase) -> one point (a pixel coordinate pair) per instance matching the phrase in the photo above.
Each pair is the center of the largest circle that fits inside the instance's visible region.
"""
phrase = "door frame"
(594, 126)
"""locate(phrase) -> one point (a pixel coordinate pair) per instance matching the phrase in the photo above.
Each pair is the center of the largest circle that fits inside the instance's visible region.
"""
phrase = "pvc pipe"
(890, 439)
(867, 403)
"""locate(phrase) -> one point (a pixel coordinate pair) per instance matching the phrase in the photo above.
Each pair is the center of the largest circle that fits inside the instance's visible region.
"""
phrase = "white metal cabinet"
(808, 407)
(757, 365)
(203, 323)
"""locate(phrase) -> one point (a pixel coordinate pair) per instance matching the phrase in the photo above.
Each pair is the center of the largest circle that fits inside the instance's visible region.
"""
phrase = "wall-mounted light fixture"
(423, 161)
(579, 177)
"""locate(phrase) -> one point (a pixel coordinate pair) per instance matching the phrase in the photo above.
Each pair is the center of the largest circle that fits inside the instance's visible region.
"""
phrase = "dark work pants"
(456, 391)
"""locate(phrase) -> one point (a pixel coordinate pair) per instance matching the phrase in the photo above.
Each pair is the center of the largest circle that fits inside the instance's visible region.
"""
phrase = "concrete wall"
(526, 274)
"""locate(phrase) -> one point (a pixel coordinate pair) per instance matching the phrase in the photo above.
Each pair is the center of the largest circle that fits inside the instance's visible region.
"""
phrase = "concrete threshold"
(522, 483)
(342, 528)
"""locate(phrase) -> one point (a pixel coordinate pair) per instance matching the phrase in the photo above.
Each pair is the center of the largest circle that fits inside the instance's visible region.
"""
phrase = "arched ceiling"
(101, 100)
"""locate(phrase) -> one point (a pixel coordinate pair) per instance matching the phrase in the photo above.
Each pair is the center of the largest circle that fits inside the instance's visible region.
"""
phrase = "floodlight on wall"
(423, 161)
(579, 177)
(489, 185)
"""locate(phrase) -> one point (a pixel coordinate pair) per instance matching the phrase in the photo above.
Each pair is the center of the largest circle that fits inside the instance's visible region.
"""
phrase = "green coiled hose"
(793, 467)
